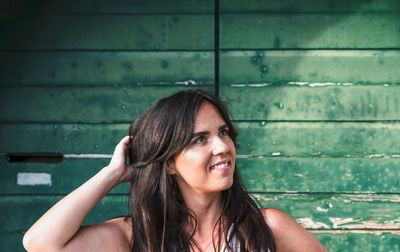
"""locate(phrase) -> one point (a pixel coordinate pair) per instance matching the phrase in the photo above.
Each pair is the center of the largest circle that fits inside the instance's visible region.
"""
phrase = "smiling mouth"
(222, 167)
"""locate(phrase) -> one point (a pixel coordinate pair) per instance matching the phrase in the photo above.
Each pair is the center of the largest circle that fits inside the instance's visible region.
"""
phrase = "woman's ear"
(171, 167)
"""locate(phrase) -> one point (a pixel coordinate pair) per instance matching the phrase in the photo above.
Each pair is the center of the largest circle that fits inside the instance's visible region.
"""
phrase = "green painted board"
(64, 138)
(378, 175)
(315, 211)
(328, 101)
(106, 68)
(320, 174)
(12, 241)
(320, 66)
(100, 32)
(309, 31)
(114, 7)
(309, 6)
(319, 139)
(46, 179)
(334, 211)
(360, 241)
(266, 139)
(351, 241)
(80, 104)
(30, 208)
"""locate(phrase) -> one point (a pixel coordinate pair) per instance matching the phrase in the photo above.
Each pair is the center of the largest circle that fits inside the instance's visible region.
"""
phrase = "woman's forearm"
(61, 222)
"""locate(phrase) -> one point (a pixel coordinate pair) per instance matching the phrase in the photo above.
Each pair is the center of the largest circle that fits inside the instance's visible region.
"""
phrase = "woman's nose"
(219, 146)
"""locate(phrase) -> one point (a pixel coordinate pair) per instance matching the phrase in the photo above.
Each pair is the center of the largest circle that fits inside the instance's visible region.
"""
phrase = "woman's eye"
(199, 140)
(224, 132)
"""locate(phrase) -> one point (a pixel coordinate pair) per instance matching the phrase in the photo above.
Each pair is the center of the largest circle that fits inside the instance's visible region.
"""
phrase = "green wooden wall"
(313, 87)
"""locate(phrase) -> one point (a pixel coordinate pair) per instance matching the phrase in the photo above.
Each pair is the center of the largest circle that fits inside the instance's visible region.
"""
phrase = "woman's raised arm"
(59, 229)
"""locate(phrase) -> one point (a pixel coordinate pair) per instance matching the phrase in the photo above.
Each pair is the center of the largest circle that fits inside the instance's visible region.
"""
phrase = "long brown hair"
(158, 210)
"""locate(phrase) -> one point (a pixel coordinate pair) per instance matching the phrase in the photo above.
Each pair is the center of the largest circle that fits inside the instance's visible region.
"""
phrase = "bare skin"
(59, 229)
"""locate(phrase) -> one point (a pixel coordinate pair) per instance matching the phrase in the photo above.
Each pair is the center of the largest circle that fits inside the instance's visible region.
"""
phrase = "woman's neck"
(207, 211)
(206, 207)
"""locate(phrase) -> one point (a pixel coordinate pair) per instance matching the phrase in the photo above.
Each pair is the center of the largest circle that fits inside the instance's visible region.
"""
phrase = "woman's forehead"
(207, 116)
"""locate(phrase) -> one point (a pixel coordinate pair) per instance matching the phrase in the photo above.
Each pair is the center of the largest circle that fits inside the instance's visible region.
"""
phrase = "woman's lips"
(221, 166)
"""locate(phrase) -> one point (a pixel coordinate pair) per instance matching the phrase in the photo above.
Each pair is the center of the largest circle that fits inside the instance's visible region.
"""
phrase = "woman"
(185, 192)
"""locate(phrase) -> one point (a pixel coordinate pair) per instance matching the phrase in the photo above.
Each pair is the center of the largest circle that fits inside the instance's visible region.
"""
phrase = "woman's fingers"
(121, 149)
(119, 157)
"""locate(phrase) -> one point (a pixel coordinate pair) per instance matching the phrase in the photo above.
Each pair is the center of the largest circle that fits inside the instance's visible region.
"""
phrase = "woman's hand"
(118, 163)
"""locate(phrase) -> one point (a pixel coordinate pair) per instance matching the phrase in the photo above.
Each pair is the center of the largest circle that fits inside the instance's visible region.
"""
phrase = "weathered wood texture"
(360, 241)
(315, 66)
(33, 206)
(311, 31)
(104, 7)
(106, 67)
(310, 84)
(101, 103)
(56, 55)
(309, 6)
(318, 102)
(99, 32)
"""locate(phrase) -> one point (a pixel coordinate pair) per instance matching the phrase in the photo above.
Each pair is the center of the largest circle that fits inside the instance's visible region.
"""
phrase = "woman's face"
(207, 164)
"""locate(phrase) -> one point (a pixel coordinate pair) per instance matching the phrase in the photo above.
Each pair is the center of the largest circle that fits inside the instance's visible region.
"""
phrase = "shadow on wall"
(288, 33)
(298, 43)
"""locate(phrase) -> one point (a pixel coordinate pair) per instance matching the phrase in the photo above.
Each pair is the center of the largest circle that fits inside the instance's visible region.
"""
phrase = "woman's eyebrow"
(223, 127)
(202, 133)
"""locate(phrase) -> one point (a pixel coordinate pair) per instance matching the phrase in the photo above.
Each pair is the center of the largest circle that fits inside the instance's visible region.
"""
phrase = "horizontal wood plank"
(105, 68)
(63, 138)
(315, 211)
(329, 101)
(80, 104)
(98, 32)
(319, 139)
(360, 241)
(310, 31)
(12, 241)
(345, 175)
(63, 178)
(337, 211)
(321, 66)
(262, 138)
(30, 208)
(320, 174)
(117, 6)
(314, 6)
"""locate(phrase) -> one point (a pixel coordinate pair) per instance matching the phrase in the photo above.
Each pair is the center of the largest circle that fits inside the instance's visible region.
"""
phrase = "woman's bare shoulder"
(112, 235)
(288, 234)
(124, 227)
(275, 218)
